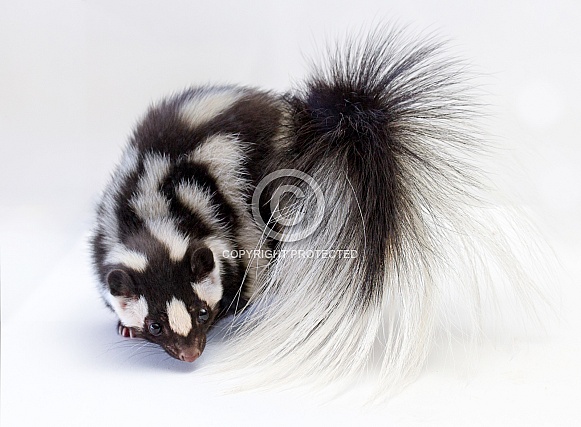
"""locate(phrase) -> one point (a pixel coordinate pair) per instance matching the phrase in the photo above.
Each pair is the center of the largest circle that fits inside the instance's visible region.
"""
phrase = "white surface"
(74, 77)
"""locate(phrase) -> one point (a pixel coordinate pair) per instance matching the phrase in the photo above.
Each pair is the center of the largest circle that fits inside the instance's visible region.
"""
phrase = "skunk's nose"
(189, 355)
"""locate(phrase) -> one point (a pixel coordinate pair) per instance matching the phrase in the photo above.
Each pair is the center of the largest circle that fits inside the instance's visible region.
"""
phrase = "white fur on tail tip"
(306, 322)
(303, 321)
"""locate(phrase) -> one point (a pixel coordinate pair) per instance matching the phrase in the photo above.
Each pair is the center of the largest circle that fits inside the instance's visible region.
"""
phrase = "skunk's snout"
(189, 355)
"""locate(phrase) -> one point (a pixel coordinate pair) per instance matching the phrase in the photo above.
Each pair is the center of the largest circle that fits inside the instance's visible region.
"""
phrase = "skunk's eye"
(155, 329)
(203, 315)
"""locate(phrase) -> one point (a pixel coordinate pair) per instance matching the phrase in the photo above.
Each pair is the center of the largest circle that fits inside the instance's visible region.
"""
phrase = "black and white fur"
(177, 201)
(384, 129)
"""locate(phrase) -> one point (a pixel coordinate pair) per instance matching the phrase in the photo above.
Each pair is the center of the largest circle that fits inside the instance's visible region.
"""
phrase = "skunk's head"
(168, 302)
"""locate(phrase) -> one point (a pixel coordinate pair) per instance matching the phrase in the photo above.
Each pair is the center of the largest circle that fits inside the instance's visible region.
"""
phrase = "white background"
(74, 78)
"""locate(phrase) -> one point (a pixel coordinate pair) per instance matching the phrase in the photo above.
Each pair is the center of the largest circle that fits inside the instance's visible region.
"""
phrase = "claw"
(125, 332)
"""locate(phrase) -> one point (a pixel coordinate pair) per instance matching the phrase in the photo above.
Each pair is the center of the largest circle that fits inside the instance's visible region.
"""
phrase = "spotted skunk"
(326, 220)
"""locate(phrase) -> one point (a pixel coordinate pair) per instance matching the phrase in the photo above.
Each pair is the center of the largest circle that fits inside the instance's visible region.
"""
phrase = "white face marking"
(134, 260)
(166, 232)
(205, 106)
(180, 320)
(131, 312)
(209, 291)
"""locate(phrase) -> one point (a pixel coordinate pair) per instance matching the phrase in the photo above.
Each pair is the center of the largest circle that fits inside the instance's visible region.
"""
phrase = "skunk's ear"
(120, 284)
(202, 262)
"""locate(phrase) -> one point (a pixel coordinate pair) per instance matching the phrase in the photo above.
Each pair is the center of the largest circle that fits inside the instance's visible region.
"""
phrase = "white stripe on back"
(207, 105)
(120, 254)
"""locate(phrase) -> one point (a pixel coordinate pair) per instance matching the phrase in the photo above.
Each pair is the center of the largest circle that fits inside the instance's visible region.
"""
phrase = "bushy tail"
(383, 134)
